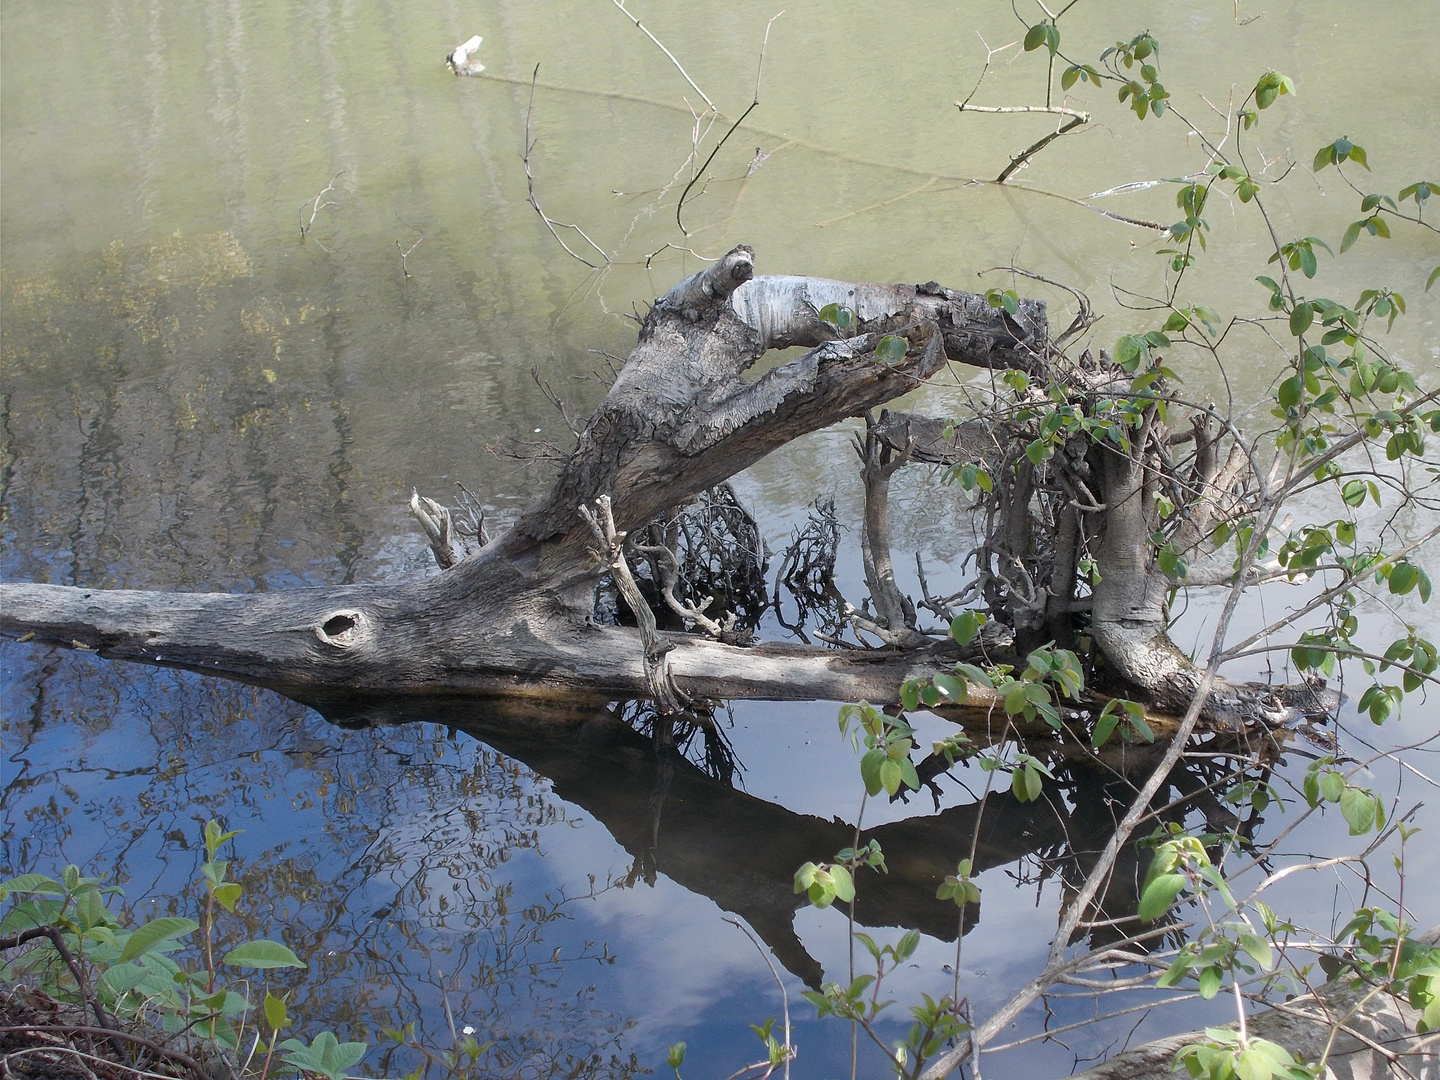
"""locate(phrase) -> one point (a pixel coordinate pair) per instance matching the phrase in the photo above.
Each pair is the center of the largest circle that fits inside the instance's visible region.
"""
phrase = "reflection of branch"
(530, 184)
(759, 70)
(837, 155)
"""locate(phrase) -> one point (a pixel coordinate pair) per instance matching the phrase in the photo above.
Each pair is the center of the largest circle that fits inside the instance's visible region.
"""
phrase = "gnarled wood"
(516, 616)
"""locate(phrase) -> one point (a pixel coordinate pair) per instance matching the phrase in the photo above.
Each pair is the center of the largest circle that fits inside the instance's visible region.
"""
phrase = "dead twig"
(659, 44)
(405, 255)
(316, 205)
(759, 70)
(554, 399)
(610, 550)
(14, 941)
(550, 223)
(1076, 119)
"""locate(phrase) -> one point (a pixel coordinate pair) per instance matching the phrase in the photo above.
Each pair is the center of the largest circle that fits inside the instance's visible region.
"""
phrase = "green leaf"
(1104, 725)
(326, 1055)
(1431, 279)
(227, 894)
(890, 776)
(870, 771)
(1251, 1064)
(1159, 895)
(1127, 352)
(1290, 391)
(1359, 809)
(1025, 783)
(31, 883)
(909, 696)
(275, 1013)
(1258, 949)
(1069, 78)
(844, 884)
(964, 627)
(952, 686)
(153, 933)
(1210, 982)
(1351, 235)
(891, 350)
(1039, 451)
(263, 953)
(1404, 577)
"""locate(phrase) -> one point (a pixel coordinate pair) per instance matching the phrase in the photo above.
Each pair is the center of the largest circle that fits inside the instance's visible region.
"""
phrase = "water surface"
(196, 397)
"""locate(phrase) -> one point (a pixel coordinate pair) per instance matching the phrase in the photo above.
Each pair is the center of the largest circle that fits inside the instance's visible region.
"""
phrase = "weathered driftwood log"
(1369, 1034)
(517, 615)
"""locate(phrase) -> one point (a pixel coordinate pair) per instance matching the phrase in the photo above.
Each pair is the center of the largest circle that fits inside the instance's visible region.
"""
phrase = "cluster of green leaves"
(460, 1061)
(1043, 35)
(850, 1002)
(885, 765)
(1299, 254)
(843, 320)
(1383, 953)
(1229, 943)
(1135, 351)
(1191, 201)
(1146, 94)
(1224, 1055)
(824, 883)
(133, 973)
(1179, 862)
(776, 1052)
(936, 1026)
(959, 887)
(1373, 204)
(1005, 299)
(1362, 809)
(890, 350)
(1117, 712)
(970, 475)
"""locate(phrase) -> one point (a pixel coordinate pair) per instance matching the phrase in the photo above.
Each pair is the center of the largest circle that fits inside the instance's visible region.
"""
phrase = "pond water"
(196, 397)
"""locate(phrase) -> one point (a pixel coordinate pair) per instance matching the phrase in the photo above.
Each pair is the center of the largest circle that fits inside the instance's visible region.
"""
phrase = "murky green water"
(196, 397)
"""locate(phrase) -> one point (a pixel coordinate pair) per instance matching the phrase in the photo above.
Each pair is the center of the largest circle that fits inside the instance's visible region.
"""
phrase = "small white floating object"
(459, 60)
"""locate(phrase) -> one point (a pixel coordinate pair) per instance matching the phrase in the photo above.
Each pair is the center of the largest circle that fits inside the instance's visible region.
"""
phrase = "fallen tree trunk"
(517, 616)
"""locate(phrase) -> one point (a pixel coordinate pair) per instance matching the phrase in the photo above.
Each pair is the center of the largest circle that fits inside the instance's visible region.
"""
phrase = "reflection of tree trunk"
(741, 851)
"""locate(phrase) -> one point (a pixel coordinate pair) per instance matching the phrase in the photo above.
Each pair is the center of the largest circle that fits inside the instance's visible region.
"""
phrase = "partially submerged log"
(517, 616)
